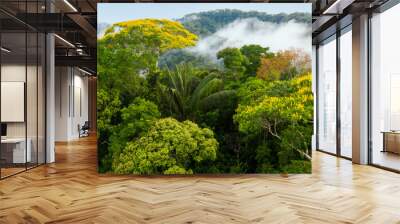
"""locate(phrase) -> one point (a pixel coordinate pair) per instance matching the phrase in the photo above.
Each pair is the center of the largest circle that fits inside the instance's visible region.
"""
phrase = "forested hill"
(101, 27)
(206, 23)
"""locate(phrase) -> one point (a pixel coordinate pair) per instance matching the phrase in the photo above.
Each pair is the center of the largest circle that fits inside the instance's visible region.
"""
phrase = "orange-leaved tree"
(284, 65)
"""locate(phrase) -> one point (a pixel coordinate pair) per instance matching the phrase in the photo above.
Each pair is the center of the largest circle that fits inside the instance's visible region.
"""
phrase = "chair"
(84, 130)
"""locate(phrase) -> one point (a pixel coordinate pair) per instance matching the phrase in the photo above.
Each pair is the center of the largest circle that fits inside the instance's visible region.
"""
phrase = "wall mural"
(204, 88)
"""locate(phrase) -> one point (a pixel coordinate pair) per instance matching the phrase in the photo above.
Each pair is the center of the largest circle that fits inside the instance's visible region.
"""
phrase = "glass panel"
(385, 86)
(31, 98)
(13, 79)
(346, 94)
(41, 99)
(32, 88)
(22, 88)
(327, 96)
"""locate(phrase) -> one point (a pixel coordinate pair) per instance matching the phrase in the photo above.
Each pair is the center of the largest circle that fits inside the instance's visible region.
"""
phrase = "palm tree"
(186, 93)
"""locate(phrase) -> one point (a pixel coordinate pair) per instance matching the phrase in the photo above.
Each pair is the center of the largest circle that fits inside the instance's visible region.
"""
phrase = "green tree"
(254, 53)
(234, 61)
(283, 116)
(186, 93)
(108, 109)
(169, 147)
(136, 119)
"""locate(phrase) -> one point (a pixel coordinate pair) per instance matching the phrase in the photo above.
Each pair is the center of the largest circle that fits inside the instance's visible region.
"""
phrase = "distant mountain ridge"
(206, 23)
(101, 28)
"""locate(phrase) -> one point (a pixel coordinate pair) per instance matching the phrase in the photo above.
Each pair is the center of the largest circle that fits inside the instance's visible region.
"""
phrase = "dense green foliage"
(206, 23)
(243, 62)
(136, 119)
(234, 61)
(254, 53)
(164, 110)
(127, 53)
(278, 114)
(169, 147)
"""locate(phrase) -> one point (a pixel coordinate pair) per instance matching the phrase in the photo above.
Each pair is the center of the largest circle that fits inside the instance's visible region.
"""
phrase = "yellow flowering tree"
(166, 33)
(129, 51)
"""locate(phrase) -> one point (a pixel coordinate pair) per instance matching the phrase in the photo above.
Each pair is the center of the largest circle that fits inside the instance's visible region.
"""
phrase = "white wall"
(62, 82)
(33, 126)
(16, 73)
(71, 102)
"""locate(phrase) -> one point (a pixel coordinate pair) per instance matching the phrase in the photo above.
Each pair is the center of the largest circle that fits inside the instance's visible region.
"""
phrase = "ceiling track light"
(5, 50)
(84, 71)
(327, 11)
(70, 5)
(337, 7)
(64, 40)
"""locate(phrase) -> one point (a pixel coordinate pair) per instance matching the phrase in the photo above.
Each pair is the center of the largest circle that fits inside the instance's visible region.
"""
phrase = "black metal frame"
(316, 97)
(338, 98)
(44, 80)
(389, 4)
(0, 88)
(369, 90)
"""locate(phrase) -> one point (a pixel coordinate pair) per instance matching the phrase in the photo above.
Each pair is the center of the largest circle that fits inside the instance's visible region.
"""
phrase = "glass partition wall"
(327, 95)
(22, 77)
(345, 61)
(385, 89)
(334, 93)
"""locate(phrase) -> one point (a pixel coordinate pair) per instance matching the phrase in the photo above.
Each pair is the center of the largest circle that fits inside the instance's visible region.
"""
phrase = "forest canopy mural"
(205, 88)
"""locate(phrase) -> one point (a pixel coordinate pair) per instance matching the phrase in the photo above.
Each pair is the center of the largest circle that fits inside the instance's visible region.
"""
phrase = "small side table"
(391, 141)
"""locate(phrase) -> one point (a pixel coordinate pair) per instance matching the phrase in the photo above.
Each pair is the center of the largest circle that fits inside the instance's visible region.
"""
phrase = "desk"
(391, 141)
(15, 148)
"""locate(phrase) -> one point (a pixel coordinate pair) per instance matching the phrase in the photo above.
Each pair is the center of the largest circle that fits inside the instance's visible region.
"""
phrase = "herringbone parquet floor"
(71, 191)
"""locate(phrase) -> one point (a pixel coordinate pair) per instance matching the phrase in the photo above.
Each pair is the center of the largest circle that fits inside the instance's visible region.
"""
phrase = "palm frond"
(185, 92)
(207, 86)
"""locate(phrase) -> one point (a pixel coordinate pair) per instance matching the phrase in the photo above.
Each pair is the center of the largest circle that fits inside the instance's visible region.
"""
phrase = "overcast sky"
(118, 12)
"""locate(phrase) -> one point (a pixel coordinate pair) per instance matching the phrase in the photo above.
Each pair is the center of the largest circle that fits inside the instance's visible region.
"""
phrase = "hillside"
(101, 27)
(206, 23)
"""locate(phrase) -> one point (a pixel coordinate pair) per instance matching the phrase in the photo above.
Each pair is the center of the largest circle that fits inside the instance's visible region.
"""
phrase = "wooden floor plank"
(71, 191)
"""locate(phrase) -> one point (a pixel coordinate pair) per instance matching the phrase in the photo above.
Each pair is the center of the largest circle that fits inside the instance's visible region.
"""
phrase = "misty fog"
(241, 32)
